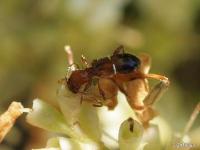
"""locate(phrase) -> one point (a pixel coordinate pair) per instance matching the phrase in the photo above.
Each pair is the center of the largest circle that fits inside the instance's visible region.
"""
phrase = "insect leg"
(98, 105)
(87, 86)
(148, 113)
(84, 90)
(101, 91)
(84, 61)
(120, 86)
(108, 91)
(163, 79)
(119, 50)
(156, 93)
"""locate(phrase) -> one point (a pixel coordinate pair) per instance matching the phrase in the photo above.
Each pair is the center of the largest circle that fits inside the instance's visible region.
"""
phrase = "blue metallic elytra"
(125, 63)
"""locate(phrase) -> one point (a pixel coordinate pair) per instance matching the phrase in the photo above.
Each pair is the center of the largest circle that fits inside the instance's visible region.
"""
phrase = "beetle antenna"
(119, 50)
(69, 52)
(84, 60)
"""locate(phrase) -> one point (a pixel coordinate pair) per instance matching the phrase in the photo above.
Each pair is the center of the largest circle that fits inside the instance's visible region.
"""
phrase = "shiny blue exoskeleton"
(125, 63)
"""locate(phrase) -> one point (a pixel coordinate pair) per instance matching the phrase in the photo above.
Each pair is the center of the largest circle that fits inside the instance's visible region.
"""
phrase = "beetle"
(100, 81)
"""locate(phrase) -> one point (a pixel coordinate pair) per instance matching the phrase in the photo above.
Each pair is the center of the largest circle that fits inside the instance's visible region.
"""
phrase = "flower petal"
(46, 117)
(89, 122)
(130, 135)
(152, 137)
(63, 143)
(69, 104)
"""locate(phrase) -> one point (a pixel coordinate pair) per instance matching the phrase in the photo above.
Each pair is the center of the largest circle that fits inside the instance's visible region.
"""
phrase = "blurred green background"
(32, 59)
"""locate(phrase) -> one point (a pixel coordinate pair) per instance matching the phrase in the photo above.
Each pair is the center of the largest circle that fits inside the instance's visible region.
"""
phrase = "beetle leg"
(101, 91)
(87, 86)
(120, 86)
(84, 61)
(81, 100)
(98, 104)
(108, 91)
(84, 90)
(163, 79)
(111, 102)
(156, 93)
(148, 113)
(119, 50)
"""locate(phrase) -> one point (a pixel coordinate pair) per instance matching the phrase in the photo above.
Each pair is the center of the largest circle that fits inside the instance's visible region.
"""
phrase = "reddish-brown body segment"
(101, 80)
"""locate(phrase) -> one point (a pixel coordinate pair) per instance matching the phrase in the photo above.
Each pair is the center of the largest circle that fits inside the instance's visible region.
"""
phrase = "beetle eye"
(125, 63)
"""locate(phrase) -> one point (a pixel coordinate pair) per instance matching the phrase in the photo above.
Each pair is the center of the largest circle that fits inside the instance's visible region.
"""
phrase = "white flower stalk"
(130, 135)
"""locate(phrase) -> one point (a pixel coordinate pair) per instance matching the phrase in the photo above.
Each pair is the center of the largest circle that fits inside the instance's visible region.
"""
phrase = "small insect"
(100, 81)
